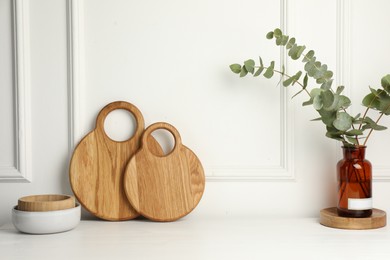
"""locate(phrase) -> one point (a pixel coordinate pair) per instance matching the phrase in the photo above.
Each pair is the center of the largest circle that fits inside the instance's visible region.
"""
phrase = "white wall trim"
(21, 171)
(75, 21)
(76, 81)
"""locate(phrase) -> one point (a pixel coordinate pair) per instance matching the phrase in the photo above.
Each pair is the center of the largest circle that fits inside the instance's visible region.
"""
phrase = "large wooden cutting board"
(164, 188)
(98, 163)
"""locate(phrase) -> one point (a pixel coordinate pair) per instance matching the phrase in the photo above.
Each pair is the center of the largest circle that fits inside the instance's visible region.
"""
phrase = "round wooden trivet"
(329, 218)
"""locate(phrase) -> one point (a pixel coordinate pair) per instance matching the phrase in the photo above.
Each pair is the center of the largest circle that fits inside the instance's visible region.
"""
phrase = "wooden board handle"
(161, 125)
(120, 105)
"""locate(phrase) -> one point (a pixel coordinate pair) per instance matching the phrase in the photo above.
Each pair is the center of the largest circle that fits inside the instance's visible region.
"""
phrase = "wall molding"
(75, 32)
(21, 170)
(76, 81)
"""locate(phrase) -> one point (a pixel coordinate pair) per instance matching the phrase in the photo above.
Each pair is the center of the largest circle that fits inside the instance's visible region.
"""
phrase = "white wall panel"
(171, 60)
(15, 134)
(40, 87)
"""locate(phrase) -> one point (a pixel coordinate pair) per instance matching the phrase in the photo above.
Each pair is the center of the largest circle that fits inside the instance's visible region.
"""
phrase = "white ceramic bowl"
(46, 222)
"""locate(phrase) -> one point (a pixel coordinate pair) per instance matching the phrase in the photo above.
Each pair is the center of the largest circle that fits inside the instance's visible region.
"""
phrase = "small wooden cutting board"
(98, 163)
(164, 188)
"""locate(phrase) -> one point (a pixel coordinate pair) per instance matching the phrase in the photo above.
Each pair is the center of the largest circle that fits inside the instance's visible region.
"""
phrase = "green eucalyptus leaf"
(334, 133)
(278, 41)
(277, 32)
(385, 82)
(317, 102)
(369, 121)
(328, 117)
(269, 71)
(339, 89)
(352, 140)
(373, 91)
(371, 100)
(290, 43)
(299, 52)
(380, 128)
(250, 65)
(261, 62)
(288, 82)
(308, 56)
(384, 103)
(305, 79)
(297, 77)
(312, 68)
(327, 98)
(270, 35)
(354, 132)
(236, 68)
(244, 72)
(293, 50)
(344, 102)
(308, 103)
(296, 51)
(335, 105)
(372, 124)
(326, 84)
(321, 80)
(284, 40)
(258, 71)
(328, 74)
(315, 92)
(343, 121)
(320, 70)
(334, 130)
(336, 137)
(357, 116)
(316, 119)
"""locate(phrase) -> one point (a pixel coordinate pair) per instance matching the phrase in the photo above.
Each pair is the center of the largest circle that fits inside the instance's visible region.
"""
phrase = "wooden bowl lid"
(46, 202)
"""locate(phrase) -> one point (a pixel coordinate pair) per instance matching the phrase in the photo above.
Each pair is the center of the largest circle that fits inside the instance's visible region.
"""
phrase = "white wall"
(261, 154)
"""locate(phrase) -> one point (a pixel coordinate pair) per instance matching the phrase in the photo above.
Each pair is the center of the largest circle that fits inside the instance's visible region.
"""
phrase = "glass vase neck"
(354, 152)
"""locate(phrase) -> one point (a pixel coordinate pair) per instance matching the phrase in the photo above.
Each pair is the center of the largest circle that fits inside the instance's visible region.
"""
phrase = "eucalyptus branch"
(288, 76)
(330, 104)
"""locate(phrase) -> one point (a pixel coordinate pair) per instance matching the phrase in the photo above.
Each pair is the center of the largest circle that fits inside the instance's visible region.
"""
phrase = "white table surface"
(199, 238)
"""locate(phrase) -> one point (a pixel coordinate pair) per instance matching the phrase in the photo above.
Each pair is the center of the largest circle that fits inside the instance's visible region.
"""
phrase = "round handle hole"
(165, 139)
(120, 125)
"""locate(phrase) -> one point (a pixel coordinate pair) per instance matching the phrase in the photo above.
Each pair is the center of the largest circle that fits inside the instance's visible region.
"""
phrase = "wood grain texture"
(46, 202)
(164, 188)
(98, 163)
(329, 218)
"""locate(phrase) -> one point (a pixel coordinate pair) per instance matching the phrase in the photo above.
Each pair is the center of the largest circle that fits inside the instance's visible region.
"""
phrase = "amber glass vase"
(354, 176)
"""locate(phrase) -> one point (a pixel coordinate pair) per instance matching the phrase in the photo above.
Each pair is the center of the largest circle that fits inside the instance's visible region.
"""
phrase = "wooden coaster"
(329, 218)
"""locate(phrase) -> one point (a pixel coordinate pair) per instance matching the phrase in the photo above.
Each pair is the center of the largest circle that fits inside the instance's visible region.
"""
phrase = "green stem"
(376, 122)
(299, 83)
(364, 116)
